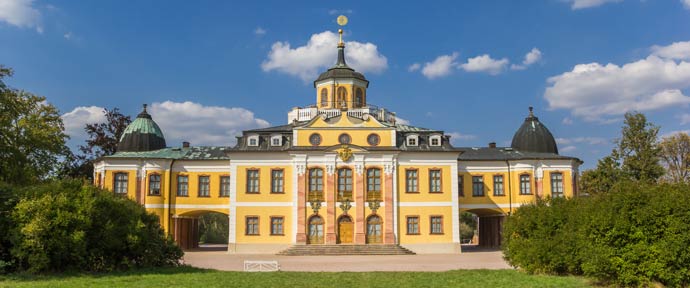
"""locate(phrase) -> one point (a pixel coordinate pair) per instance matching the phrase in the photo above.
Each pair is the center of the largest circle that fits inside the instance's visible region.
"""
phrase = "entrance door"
(345, 229)
(315, 230)
(374, 235)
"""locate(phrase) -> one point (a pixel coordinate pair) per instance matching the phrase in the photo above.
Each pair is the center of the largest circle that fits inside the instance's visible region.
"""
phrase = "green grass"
(194, 277)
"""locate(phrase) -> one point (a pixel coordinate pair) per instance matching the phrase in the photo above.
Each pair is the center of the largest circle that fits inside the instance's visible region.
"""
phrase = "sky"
(210, 69)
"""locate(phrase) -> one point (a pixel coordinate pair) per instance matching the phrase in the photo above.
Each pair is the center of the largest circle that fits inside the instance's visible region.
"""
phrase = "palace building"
(339, 172)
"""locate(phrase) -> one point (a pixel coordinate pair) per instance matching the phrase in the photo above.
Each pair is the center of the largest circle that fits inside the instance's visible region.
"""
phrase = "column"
(301, 202)
(360, 225)
(330, 204)
(389, 234)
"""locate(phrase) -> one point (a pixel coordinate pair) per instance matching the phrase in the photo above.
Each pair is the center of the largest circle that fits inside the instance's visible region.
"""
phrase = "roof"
(507, 153)
(341, 70)
(187, 153)
(533, 136)
(143, 134)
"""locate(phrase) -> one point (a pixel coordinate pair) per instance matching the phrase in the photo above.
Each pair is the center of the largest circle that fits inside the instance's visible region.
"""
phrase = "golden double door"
(345, 230)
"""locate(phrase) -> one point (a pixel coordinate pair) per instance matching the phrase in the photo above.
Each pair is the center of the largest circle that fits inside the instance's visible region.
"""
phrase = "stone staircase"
(346, 249)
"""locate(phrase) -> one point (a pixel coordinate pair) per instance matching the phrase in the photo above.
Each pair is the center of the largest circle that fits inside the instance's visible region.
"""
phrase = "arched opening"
(324, 97)
(489, 229)
(359, 98)
(315, 230)
(203, 230)
(342, 98)
(374, 233)
(345, 229)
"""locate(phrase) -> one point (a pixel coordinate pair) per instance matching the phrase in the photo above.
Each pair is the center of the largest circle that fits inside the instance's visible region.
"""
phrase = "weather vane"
(342, 21)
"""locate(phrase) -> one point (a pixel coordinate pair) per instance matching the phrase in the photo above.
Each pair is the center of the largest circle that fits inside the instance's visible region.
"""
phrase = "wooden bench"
(261, 266)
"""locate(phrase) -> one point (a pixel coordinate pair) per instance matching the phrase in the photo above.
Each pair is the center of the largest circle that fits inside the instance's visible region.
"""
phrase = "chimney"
(185, 144)
(492, 144)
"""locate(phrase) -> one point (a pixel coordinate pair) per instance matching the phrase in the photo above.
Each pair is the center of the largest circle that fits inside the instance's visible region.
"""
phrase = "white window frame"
(414, 137)
(279, 140)
(435, 137)
(255, 138)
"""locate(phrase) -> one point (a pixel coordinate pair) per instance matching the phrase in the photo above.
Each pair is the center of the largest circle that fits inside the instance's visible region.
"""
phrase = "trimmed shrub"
(634, 235)
(67, 225)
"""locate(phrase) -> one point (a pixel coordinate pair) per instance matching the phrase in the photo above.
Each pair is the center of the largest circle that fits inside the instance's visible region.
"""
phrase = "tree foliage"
(675, 154)
(32, 137)
(213, 228)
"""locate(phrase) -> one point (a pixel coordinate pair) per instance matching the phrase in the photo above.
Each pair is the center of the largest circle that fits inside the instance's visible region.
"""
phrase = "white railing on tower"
(308, 113)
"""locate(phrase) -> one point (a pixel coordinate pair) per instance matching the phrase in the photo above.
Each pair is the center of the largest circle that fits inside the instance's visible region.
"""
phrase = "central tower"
(341, 87)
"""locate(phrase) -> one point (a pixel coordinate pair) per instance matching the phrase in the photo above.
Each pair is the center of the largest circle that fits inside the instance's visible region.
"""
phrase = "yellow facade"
(346, 92)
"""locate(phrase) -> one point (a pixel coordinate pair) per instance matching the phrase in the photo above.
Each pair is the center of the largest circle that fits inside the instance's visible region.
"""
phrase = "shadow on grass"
(472, 248)
(27, 277)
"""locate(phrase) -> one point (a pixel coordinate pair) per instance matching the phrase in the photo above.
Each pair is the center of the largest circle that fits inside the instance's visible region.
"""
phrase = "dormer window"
(253, 140)
(435, 140)
(276, 140)
(412, 140)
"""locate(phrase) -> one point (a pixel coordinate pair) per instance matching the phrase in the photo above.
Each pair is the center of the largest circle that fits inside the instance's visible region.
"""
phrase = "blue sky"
(213, 68)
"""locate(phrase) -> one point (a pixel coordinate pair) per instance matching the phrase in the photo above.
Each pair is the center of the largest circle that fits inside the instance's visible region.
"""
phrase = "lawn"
(194, 277)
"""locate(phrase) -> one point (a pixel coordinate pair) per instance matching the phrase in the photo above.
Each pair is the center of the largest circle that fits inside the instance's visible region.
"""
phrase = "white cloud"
(76, 120)
(671, 133)
(441, 66)
(68, 35)
(531, 57)
(595, 92)
(414, 67)
(320, 53)
(259, 31)
(402, 121)
(202, 125)
(336, 11)
(21, 13)
(568, 149)
(486, 64)
(684, 119)
(567, 121)
(677, 50)
(585, 140)
(581, 4)
(457, 137)
(686, 4)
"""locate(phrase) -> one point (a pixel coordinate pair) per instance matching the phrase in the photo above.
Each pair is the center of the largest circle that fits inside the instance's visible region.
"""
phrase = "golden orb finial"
(342, 21)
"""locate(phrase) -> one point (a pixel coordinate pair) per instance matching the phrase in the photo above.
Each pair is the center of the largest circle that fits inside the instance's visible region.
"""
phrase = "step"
(346, 249)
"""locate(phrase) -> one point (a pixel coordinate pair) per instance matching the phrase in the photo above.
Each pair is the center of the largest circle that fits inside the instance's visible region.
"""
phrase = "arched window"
(525, 184)
(359, 98)
(324, 97)
(342, 97)
(374, 184)
(315, 230)
(374, 234)
(344, 184)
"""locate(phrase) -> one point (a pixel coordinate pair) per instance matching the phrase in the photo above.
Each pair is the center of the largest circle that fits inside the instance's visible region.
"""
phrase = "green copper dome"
(533, 136)
(143, 134)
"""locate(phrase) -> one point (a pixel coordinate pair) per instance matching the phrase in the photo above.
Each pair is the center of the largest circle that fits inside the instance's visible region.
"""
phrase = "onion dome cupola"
(341, 87)
(533, 136)
(143, 134)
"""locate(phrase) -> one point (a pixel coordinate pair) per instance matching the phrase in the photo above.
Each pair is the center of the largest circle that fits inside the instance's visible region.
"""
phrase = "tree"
(637, 149)
(675, 153)
(602, 178)
(102, 141)
(32, 137)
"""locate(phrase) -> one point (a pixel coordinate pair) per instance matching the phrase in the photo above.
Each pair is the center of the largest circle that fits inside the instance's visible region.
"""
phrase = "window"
(477, 186)
(276, 140)
(344, 138)
(373, 139)
(525, 187)
(155, 184)
(224, 186)
(120, 185)
(344, 184)
(324, 97)
(359, 98)
(252, 225)
(277, 181)
(498, 185)
(315, 139)
(277, 225)
(411, 181)
(182, 185)
(374, 184)
(316, 184)
(413, 225)
(435, 181)
(436, 224)
(252, 181)
(204, 186)
(342, 97)
(461, 186)
(412, 140)
(556, 184)
(435, 140)
(253, 140)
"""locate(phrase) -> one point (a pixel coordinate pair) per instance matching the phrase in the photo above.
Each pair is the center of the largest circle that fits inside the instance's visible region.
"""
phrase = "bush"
(67, 225)
(633, 235)
(213, 228)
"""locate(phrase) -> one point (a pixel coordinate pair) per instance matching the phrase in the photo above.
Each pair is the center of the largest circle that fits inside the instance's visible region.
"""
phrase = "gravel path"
(471, 259)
